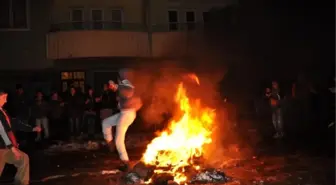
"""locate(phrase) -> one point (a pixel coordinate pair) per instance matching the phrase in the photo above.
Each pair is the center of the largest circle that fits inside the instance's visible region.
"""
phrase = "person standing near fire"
(275, 103)
(9, 151)
(128, 104)
(108, 100)
(40, 111)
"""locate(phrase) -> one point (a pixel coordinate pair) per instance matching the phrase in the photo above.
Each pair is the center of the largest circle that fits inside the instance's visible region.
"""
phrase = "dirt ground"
(98, 167)
(273, 162)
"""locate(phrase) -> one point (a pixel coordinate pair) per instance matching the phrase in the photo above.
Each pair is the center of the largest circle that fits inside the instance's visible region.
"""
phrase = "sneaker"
(125, 166)
(276, 135)
(331, 124)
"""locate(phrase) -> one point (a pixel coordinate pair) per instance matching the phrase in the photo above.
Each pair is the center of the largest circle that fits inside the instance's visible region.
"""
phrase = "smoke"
(157, 81)
(157, 87)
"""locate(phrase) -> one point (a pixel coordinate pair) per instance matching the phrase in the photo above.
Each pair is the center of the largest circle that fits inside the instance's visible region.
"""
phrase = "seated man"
(9, 152)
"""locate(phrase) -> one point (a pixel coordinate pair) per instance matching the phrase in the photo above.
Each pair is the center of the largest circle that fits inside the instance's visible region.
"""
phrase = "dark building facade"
(23, 28)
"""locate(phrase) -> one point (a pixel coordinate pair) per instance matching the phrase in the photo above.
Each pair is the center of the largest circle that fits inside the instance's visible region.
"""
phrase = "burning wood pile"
(174, 157)
(144, 174)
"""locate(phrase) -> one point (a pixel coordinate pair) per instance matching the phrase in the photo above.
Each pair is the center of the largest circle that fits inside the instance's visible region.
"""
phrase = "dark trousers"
(57, 128)
(90, 123)
(75, 125)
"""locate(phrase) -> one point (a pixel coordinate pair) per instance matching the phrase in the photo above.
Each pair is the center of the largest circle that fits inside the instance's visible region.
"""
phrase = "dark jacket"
(56, 110)
(9, 127)
(75, 105)
(275, 97)
(19, 106)
(90, 103)
(40, 109)
(125, 102)
(109, 100)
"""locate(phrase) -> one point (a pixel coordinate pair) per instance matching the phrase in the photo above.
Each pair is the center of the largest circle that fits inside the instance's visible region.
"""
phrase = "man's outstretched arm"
(18, 125)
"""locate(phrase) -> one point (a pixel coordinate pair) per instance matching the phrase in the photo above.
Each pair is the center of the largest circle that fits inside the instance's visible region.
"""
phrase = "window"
(206, 17)
(190, 19)
(97, 19)
(77, 18)
(173, 20)
(117, 19)
(76, 79)
(14, 14)
(73, 75)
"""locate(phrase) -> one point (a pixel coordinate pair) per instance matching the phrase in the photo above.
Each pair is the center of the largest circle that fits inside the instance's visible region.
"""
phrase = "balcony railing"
(97, 25)
(120, 26)
(172, 27)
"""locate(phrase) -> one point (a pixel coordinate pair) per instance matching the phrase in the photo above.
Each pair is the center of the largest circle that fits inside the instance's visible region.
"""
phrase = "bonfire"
(178, 147)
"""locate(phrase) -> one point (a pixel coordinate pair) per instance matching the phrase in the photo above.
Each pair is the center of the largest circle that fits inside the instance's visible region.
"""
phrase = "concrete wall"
(78, 44)
(21, 50)
(97, 44)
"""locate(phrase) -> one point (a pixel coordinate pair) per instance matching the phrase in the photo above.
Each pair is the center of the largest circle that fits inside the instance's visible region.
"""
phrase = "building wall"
(126, 43)
(23, 50)
(134, 10)
(159, 9)
(76, 44)
(35, 48)
(83, 44)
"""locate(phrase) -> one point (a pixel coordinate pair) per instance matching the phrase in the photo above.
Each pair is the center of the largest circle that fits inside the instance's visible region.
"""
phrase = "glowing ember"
(183, 141)
(194, 77)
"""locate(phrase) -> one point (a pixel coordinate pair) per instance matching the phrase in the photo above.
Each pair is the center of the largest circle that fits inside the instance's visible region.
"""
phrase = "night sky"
(278, 40)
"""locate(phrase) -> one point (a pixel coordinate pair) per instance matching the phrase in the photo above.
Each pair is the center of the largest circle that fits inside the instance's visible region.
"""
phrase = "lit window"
(64, 75)
(70, 75)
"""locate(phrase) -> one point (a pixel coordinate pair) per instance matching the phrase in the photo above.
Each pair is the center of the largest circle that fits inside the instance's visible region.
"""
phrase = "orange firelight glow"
(183, 140)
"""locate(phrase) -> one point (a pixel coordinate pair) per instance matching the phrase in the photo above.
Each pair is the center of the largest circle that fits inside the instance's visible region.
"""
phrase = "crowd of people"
(117, 107)
(72, 113)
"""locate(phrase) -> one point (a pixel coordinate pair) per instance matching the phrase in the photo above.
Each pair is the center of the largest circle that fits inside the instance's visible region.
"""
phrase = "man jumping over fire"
(9, 151)
(128, 105)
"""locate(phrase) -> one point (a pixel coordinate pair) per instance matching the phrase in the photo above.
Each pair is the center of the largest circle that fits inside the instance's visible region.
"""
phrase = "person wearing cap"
(129, 104)
(9, 151)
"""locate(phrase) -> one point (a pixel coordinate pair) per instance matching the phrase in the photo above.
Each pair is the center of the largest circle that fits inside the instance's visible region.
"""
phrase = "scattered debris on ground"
(103, 172)
(142, 173)
(61, 146)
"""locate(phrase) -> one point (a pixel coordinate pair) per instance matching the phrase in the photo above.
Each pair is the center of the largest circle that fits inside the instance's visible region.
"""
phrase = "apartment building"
(86, 41)
(23, 52)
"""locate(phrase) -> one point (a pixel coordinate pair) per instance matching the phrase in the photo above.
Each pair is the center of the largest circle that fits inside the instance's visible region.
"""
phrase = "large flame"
(183, 140)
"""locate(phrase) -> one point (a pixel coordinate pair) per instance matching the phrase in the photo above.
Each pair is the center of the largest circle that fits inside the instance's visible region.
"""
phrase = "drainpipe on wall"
(148, 22)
